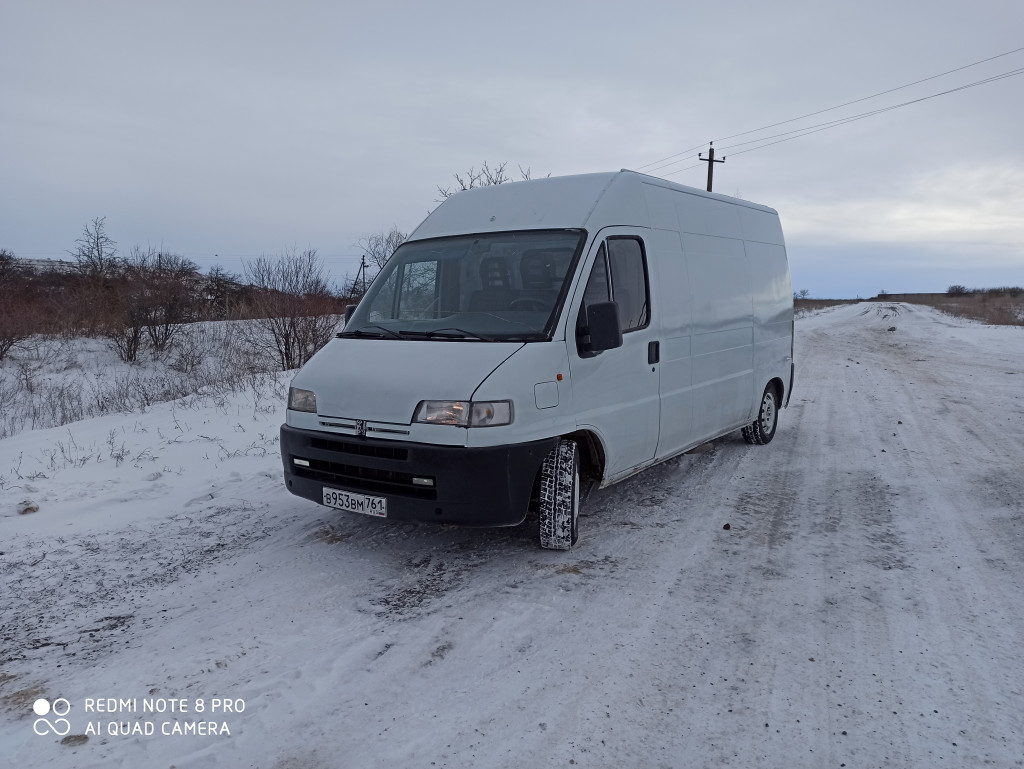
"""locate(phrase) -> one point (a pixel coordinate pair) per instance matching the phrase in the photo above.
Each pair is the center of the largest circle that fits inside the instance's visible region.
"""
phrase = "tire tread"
(558, 479)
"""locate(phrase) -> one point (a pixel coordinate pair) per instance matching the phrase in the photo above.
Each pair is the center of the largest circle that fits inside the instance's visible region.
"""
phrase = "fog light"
(422, 481)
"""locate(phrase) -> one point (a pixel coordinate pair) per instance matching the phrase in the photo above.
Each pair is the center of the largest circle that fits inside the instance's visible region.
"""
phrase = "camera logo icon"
(59, 726)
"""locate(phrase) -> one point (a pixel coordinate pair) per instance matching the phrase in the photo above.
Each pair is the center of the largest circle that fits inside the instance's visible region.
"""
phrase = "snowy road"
(864, 607)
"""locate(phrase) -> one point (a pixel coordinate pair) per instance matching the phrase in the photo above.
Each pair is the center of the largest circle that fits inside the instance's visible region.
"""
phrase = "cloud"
(959, 204)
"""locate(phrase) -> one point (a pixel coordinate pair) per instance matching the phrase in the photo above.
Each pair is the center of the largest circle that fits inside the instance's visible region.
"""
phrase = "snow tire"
(560, 496)
(762, 429)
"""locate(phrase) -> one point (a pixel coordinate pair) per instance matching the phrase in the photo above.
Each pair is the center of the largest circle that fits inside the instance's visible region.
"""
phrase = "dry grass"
(997, 306)
(21, 701)
(809, 306)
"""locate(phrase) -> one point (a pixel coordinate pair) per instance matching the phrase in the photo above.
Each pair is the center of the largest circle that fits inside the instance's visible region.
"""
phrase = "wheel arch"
(592, 456)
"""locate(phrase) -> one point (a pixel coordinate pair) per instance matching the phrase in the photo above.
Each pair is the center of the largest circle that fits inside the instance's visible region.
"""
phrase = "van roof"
(559, 202)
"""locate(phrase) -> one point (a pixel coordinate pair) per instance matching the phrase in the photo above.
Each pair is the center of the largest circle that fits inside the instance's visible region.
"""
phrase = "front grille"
(368, 479)
(362, 449)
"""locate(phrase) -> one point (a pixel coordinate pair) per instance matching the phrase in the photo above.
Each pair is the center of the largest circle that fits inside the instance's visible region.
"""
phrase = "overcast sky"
(225, 130)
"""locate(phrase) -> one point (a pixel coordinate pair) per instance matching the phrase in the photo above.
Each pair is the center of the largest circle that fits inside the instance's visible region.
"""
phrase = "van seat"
(496, 286)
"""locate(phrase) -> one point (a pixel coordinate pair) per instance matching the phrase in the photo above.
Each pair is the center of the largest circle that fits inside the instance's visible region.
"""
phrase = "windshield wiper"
(450, 332)
(361, 331)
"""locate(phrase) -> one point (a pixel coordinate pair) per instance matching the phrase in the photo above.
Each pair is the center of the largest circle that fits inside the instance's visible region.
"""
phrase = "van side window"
(627, 287)
(629, 282)
(598, 288)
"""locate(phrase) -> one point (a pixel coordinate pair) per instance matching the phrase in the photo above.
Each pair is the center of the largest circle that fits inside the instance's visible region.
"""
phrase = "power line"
(807, 130)
(865, 98)
(843, 121)
(663, 162)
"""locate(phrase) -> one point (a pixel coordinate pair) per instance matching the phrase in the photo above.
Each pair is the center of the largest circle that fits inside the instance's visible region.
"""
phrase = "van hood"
(384, 380)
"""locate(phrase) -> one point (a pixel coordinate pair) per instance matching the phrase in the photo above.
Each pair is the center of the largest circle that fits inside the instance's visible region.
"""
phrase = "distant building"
(47, 265)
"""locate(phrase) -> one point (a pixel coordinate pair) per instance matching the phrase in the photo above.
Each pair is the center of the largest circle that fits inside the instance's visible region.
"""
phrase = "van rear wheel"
(762, 429)
(560, 496)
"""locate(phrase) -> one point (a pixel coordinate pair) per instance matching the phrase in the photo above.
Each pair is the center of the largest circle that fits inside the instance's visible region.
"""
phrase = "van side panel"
(773, 313)
(620, 205)
(670, 288)
(707, 216)
(722, 343)
(760, 226)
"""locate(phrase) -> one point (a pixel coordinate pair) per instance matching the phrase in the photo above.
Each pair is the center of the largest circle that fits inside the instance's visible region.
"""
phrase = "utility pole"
(362, 271)
(710, 160)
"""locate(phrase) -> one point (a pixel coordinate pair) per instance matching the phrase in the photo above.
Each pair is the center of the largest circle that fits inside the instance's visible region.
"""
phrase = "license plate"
(356, 503)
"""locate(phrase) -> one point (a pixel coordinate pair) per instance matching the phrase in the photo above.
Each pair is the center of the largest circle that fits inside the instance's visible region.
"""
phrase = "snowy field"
(863, 608)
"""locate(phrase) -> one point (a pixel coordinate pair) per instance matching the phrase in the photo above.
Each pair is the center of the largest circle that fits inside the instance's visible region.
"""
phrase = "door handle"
(653, 352)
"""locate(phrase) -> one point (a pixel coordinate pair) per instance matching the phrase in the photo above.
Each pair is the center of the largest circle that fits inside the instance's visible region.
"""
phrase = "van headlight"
(301, 400)
(464, 413)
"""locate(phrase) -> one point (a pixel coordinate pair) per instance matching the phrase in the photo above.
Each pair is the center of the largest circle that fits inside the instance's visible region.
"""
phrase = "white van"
(534, 338)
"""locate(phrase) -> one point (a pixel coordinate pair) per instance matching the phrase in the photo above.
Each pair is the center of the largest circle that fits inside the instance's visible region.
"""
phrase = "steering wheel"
(529, 303)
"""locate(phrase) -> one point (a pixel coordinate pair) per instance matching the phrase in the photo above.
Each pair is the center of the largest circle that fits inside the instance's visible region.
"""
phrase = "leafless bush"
(190, 351)
(27, 372)
(9, 391)
(125, 335)
(61, 404)
(37, 394)
(293, 311)
(149, 299)
(162, 290)
(19, 304)
(45, 349)
(219, 294)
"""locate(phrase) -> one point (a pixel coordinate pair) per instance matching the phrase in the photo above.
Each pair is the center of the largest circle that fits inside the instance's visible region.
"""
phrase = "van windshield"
(504, 286)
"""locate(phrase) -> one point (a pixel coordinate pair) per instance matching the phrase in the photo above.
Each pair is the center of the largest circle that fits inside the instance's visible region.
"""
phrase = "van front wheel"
(560, 496)
(762, 429)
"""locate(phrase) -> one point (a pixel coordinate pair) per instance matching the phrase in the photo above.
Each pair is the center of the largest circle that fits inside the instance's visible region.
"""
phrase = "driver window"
(624, 259)
(598, 290)
(629, 281)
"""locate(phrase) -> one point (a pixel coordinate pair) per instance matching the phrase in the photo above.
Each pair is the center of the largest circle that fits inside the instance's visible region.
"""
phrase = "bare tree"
(221, 292)
(377, 248)
(484, 177)
(294, 312)
(164, 288)
(95, 252)
(380, 246)
(98, 266)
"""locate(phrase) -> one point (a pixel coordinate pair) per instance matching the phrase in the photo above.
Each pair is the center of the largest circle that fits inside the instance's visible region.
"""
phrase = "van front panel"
(418, 482)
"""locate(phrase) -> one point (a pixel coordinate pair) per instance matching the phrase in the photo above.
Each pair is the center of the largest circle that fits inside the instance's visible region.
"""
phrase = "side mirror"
(603, 327)
(349, 310)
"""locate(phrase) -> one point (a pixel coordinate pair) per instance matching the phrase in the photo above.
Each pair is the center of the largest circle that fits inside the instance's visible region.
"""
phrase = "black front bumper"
(471, 486)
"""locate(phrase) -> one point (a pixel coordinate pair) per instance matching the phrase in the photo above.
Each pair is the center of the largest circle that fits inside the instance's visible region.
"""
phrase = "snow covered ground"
(863, 609)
